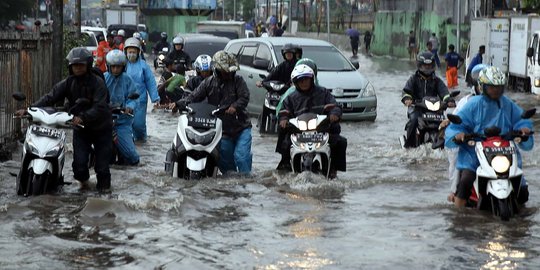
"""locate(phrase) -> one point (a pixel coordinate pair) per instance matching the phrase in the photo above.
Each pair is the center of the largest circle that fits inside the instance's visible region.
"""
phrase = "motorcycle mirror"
(19, 96)
(454, 118)
(133, 95)
(455, 93)
(492, 131)
(528, 113)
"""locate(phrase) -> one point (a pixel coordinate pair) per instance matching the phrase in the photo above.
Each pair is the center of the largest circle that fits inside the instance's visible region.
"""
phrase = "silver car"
(352, 90)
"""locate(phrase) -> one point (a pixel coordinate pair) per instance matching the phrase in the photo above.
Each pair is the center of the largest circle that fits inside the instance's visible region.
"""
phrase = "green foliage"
(70, 42)
(12, 9)
(531, 3)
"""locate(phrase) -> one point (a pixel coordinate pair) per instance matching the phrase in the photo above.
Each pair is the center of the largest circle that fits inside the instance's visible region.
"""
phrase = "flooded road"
(388, 210)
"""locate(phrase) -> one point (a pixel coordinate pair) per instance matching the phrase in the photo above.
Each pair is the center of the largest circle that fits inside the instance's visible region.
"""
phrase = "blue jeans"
(124, 143)
(235, 153)
(139, 122)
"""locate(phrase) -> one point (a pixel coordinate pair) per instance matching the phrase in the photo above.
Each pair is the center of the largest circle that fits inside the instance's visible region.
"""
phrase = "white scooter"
(498, 178)
(310, 150)
(43, 153)
(194, 154)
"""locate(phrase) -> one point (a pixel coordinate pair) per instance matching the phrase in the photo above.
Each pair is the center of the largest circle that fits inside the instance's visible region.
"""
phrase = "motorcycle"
(43, 155)
(310, 150)
(158, 62)
(433, 113)
(267, 120)
(498, 178)
(194, 153)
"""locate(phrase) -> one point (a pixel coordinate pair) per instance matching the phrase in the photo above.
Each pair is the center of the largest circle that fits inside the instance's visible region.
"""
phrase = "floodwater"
(388, 211)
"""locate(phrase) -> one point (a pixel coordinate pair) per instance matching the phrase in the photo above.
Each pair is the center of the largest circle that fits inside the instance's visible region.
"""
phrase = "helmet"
(113, 32)
(100, 38)
(79, 55)
(137, 35)
(308, 62)
(302, 71)
(474, 75)
(225, 62)
(289, 47)
(491, 76)
(299, 52)
(132, 42)
(116, 58)
(178, 41)
(203, 63)
(163, 35)
(122, 33)
(425, 58)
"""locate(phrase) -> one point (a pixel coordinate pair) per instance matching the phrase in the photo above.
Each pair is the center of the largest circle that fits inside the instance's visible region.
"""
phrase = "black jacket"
(281, 72)
(95, 116)
(180, 58)
(225, 94)
(194, 82)
(299, 102)
(160, 45)
(419, 86)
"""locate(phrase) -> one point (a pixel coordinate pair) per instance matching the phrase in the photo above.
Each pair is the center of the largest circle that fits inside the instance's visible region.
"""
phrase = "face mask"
(132, 57)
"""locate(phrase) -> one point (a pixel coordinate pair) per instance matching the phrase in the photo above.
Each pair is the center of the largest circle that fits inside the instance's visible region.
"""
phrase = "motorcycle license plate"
(433, 116)
(201, 122)
(45, 132)
(499, 150)
(310, 137)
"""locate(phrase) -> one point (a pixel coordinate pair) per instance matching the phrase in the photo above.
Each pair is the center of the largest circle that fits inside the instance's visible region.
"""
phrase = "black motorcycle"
(267, 120)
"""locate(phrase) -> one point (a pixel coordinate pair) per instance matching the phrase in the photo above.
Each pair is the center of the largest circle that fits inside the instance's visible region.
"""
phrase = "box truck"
(494, 33)
(120, 16)
(521, 67)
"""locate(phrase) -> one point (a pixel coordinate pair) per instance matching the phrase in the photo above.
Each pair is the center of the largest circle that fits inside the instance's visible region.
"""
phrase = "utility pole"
(58, 37)
(234, 10)
(78, 18)
(223, 9)
(328, 18)
(458, 25)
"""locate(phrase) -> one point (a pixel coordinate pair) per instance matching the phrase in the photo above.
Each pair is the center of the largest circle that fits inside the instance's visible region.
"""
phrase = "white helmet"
(122, 33)
(132, 42)
(178, 41)
(137, 35)
(302, 71)
(203, 63)
(116, 58)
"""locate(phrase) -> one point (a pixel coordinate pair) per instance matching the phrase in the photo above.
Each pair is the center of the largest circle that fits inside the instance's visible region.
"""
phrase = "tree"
(12, 9)
(534, 4)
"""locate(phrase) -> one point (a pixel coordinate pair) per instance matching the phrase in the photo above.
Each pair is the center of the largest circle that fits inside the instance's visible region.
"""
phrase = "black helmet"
(299, 52)
(425, 58)
(289, 47)
(79, 55)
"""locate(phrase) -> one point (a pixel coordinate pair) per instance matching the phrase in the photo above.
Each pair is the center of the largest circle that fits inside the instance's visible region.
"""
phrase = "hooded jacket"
(102, 50)
(419, 86)
(479, 113)
(225, 94)
(144, 80)
(120, 87)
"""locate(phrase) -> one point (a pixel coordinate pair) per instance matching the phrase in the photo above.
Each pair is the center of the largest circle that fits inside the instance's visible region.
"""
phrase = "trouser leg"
(82, 146)
(226, 155)
(465, 184)
(139, 122)
(338, 146)
(242, 151)
(103, 148)
(126, 147)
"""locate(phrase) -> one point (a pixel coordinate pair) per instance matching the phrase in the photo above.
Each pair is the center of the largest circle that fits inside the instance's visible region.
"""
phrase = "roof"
(221, 22)
(280, 41)
(203, 37)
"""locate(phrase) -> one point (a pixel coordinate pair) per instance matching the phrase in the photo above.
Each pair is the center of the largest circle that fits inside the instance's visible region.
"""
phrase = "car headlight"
(500, 164)
(369, 91)
(433, 106)
(194, 138)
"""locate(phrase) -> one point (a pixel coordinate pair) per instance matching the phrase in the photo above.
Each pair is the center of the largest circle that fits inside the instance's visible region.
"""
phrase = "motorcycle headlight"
(537, 82)
(369, 91)
(433, 106)
(54, 151)
(500, 164)
(276, 86)
(161, 57)
(302, 125)
(312, 124)
(200, 139)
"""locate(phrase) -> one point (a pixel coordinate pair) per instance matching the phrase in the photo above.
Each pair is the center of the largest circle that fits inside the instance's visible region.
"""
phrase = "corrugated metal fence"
(25, 65)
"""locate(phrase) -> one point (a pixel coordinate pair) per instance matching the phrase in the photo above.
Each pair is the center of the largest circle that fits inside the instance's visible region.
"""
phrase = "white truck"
(523, 71)
(494, 33)
(120, 16)
(229, 29)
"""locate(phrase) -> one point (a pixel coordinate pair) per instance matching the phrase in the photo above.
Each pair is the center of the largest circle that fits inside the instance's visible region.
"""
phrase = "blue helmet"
(203, 63)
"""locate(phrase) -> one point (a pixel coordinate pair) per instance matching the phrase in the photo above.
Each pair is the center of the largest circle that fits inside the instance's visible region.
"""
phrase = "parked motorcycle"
(194, 153)
(43, 153)
(267, 120)
(498, 178)
(310, 150)
(433, 113)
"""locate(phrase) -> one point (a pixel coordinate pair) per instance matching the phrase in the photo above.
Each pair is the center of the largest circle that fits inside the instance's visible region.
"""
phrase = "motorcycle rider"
(291, 54)
(144, 80)
(421, 84)
(163, 43)
(180, 59)
(120, 86)
(138, 36)
(490, 109)
(203, 67)
(169, 86)
(102, 50)
(226, 89)
(309, 97)
(82, 82)
(284, 163)
(119, 39)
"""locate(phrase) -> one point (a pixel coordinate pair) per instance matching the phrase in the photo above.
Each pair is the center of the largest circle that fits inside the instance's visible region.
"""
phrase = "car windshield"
(195, 49)
(327, 58)
(89, 40)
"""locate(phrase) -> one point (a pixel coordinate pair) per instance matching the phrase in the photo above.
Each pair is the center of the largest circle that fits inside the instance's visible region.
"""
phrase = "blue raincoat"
(146, 83)
(479, 113)
(119, 89)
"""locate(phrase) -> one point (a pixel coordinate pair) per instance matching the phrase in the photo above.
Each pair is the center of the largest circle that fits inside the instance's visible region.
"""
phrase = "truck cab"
(533, 63)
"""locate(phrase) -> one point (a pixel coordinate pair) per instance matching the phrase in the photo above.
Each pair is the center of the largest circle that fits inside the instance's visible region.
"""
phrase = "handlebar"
(515, 135)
